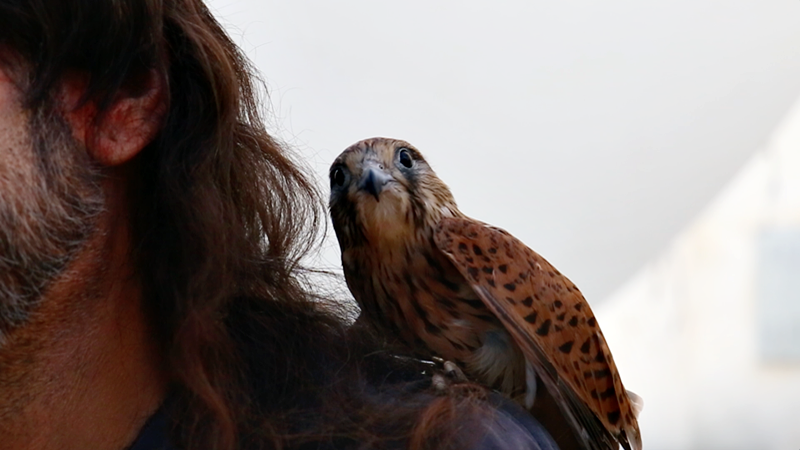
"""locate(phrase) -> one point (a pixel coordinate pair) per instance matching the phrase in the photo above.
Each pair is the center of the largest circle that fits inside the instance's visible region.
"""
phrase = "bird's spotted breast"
(431, 306)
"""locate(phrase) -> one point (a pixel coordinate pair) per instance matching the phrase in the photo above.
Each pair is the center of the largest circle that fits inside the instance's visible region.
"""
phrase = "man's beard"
(46, 216)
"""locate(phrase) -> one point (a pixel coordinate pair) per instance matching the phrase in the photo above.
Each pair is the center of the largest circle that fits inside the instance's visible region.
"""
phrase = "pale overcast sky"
(593, 131)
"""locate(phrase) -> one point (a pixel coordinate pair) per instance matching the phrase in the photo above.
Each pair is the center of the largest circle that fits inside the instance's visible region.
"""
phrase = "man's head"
(144, 110)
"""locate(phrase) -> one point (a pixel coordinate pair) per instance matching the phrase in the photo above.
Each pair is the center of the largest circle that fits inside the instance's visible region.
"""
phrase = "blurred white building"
(709, 332)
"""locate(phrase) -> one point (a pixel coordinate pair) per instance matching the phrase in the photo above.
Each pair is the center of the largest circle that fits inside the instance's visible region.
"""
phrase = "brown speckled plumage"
(454, 287)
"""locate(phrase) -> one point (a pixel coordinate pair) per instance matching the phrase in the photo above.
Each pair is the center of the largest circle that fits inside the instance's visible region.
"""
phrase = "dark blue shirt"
(511, 428)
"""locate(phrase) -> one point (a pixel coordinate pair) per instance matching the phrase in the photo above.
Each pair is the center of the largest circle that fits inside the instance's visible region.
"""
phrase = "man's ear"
(129, 124)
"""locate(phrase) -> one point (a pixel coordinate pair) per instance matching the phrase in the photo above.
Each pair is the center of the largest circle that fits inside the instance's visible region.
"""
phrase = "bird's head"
(383, 191)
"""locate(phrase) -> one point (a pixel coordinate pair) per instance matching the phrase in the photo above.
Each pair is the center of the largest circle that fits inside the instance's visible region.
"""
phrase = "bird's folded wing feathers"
(552, 324)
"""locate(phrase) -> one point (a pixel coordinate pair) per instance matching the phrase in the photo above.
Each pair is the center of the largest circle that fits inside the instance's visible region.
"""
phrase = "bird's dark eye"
(405, 158)
(337, 177)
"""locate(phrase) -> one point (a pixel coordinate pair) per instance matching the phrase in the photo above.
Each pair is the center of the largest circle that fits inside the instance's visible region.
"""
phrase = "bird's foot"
(454, 373)
(451, 374)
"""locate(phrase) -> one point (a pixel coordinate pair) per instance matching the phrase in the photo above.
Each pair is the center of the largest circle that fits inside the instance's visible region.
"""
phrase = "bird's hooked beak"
(373, 178)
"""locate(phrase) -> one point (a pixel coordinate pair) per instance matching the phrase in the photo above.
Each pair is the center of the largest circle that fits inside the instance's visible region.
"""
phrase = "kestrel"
(452, 287)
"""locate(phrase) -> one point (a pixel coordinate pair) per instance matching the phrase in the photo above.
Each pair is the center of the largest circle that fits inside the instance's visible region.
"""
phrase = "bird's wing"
(552, 324)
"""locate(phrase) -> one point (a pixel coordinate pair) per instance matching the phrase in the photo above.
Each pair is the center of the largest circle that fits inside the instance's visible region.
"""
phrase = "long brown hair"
(222, 217)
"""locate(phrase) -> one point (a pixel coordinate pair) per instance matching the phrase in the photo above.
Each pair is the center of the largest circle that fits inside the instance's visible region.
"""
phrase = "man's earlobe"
(131, 122)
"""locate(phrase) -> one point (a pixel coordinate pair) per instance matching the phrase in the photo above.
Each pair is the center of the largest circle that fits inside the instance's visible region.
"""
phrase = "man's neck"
(85, 371)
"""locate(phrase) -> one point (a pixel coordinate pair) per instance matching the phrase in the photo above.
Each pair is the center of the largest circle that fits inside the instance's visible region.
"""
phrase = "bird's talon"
(439, 382)
(454, 373)
(449, 376)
